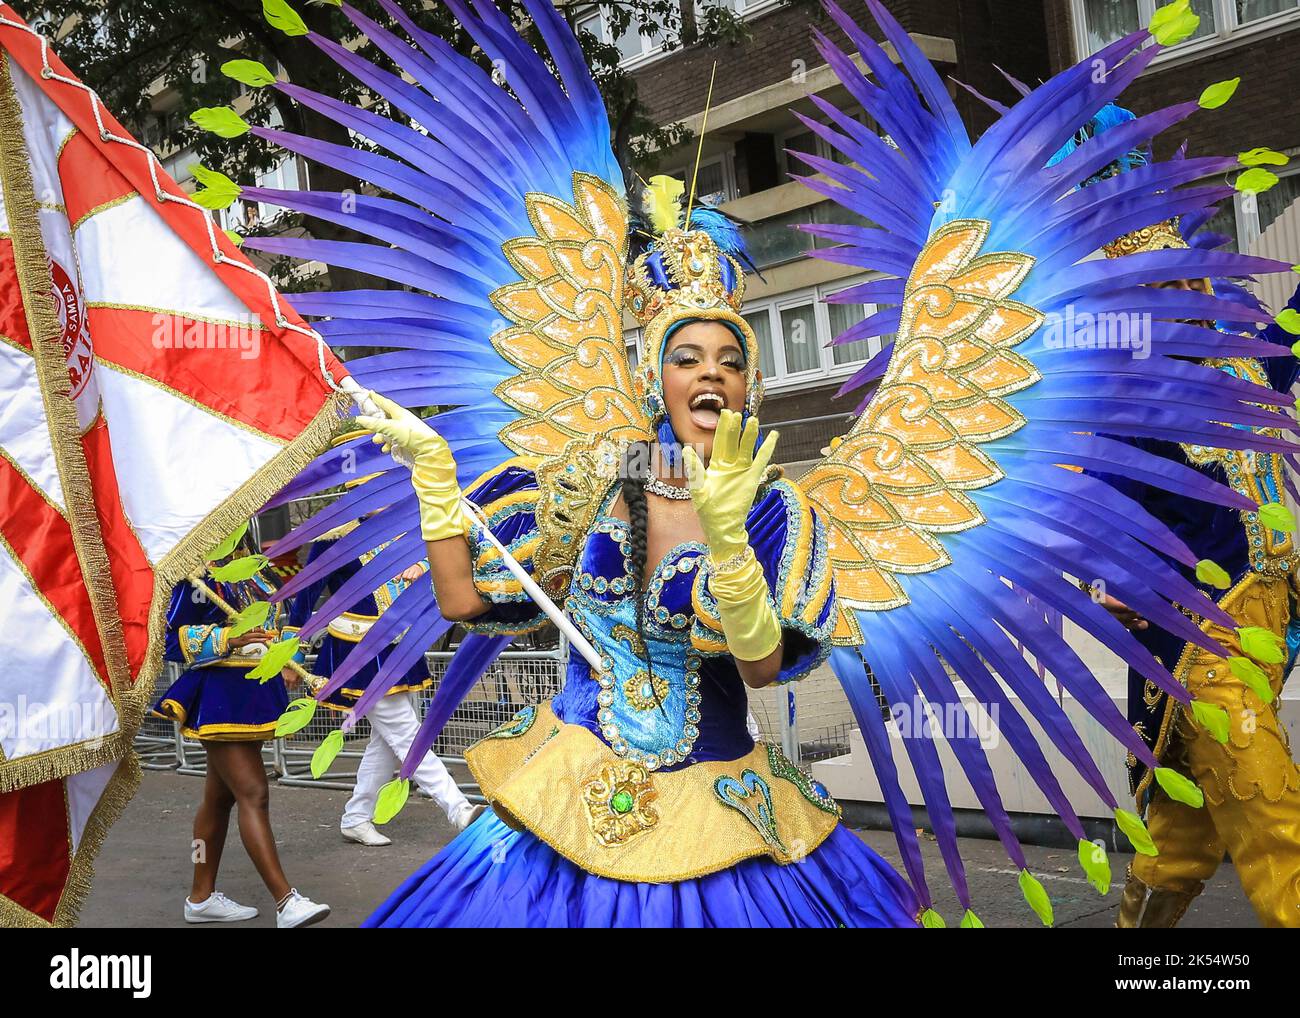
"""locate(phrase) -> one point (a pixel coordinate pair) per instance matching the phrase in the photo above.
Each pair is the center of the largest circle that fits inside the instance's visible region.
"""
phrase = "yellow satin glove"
(749, 620)
(433, 470)
(723, 495)
(724, 492)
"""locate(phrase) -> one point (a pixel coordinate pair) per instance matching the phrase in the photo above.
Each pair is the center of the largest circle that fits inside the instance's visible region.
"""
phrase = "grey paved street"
(143, 873)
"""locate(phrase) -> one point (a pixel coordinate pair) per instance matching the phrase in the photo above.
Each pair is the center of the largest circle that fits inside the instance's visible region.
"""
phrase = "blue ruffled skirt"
(492, 875)
(219, 704)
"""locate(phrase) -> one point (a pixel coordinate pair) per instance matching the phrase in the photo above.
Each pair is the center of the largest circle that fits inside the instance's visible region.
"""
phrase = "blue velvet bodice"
(669, 694)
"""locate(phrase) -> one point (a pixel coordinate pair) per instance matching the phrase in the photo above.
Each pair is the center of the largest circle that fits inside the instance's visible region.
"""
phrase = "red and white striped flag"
(155, 390)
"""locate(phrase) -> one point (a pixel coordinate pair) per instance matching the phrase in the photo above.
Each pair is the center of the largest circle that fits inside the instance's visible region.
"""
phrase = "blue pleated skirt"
(494, 876)
(219, 704)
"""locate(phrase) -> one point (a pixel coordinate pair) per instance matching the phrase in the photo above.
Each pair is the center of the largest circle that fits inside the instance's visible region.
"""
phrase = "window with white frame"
(1269, 206)
(739, 6)
(247, 215)
(1248, 216)
(794, 331)
(1101, 22)
(633, 43)
(716, 181)
(636, 45)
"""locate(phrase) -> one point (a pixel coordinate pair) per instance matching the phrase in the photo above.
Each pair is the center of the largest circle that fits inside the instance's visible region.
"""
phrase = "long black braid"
(635, 468)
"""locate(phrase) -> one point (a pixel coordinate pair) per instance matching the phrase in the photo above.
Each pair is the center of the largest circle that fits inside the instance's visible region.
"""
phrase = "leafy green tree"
(153, 62)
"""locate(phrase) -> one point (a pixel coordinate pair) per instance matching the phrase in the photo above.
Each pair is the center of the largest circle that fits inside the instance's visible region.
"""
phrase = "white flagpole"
(553, 612)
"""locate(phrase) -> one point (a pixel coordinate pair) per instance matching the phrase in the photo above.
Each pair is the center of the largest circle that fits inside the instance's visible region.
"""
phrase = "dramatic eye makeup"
(688, 354)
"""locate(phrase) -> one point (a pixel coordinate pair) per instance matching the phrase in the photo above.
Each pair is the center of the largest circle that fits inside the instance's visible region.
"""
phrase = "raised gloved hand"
(723, 496)
(433, 470)
(724, 492)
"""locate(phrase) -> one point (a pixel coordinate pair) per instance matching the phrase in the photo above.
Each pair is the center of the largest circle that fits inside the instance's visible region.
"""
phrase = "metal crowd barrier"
(819, 728)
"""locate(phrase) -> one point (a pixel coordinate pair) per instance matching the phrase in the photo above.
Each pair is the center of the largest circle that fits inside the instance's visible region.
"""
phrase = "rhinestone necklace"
(664, 490)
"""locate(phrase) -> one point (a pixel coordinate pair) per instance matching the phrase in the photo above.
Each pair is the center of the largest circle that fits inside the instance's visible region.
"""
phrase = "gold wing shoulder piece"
(565, 331)
(899, 478)
(571, 488)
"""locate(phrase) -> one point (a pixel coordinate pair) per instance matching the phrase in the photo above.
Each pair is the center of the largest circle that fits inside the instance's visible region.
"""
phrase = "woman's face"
(1188, 285)
(703, 374)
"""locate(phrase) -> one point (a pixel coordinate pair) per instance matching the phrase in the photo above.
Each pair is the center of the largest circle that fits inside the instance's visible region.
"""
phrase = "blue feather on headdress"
(724, 231)
(1109, 116)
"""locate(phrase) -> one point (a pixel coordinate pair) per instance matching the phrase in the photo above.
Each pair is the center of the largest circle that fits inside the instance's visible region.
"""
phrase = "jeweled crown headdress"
(1163, 236)
(691, 270)
(684, 269)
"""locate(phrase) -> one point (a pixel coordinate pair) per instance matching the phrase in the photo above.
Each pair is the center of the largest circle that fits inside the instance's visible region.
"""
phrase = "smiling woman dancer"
(689, 594)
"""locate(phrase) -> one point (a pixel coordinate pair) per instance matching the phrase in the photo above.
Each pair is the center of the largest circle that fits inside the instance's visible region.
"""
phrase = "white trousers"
(394, 723)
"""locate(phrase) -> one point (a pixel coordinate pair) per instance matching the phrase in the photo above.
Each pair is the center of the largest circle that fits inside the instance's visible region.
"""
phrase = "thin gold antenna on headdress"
(699, 151)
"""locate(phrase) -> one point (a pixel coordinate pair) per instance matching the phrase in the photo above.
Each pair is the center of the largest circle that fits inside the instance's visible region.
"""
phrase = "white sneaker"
(466, 813)
(299, 911)
(364, 833)
(217, 908)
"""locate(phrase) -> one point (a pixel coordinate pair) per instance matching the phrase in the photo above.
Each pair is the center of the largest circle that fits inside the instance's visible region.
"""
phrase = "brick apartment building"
(760, 81)
(751, 127)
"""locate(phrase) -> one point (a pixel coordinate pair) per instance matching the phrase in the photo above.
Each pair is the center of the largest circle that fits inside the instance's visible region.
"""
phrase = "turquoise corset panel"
(656, 711)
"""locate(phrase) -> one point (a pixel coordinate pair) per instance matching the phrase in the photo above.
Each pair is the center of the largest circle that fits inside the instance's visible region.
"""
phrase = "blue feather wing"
(502, 222)
(954, 481)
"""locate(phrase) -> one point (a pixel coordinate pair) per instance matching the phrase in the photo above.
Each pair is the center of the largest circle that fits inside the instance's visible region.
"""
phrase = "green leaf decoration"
(215, 180)
(1213, 719)
(1218, 94)
(250, 618)
(1290, 321)
(332, 3)
(392, 797)
(1295, 349)
(238, 569)
(1037, 898)
(932, 920)
(221, 121)
(1136, 832)
(1262, 157)
(1096, 865)
(1276, 516)
(252, 73)
(1210, 572)
(296, 717)
(326, 752)
(276, 657)
(1264, 645)
(280, 15)
(1180, 788)
(1255, 181)
(228, 545)
(235, 238)
(1253, 676)
(970, 921)
(1174, 22)
(213, 200)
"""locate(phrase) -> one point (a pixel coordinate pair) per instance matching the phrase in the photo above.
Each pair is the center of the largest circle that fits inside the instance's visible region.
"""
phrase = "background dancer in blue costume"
(635, 796)
(231, 715)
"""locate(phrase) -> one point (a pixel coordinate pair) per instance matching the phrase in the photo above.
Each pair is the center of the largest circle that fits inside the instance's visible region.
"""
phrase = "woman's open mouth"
(706, 410)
